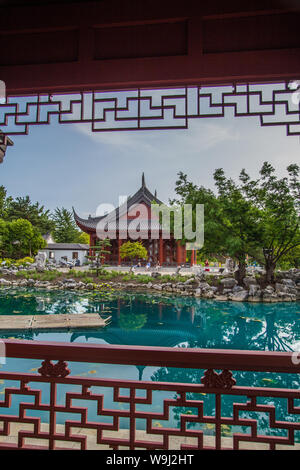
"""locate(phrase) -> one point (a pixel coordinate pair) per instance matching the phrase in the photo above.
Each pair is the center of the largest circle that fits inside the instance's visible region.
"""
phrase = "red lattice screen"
(276, 104)
(24, 431)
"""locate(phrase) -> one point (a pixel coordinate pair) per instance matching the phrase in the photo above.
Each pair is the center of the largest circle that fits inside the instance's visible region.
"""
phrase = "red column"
(119, 246)
(178, 253)
(161, 251)
(183, 254)
(192, 257)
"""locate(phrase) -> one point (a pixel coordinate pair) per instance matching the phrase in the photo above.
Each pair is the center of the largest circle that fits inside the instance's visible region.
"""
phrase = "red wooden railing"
(25, 432)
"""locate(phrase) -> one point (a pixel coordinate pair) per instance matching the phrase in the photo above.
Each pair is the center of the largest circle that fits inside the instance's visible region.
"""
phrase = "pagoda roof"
(142, 196)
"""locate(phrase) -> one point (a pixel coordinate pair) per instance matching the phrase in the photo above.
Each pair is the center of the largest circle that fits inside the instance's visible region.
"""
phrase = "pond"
(161, 320)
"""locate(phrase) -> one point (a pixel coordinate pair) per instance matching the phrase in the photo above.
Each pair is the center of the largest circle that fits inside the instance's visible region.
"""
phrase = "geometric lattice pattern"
(140, 109)
(78, 432)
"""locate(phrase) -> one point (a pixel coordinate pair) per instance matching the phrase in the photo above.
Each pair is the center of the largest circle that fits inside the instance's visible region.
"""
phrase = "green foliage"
(83, 238)
(24, 261)
(45, 276)
(133, 250)
(19, 238)
(100, 250)
(132, 321)
(65, 229)
(23, 208)
(291, 259)
(259, 218)
(278, 200)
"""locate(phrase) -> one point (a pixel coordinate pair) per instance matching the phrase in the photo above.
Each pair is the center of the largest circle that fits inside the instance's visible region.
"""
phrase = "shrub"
(24, 261)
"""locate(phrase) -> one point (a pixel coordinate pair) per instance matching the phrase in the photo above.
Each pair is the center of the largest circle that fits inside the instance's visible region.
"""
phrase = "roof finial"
(143, 181)
(155, 194)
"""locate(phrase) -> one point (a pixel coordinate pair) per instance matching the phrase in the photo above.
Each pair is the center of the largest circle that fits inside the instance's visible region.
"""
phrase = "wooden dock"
(52, 322)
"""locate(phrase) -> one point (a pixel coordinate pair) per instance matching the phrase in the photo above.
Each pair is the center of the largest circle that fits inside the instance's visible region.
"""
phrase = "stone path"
(175, 442)
(41, 322)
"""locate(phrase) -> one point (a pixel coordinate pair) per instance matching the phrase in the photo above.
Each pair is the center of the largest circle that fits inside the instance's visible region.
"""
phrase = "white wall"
(58, 254)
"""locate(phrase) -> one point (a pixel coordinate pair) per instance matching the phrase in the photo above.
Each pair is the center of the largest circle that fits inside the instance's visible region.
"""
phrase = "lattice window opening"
(141, 109)
(72, 401)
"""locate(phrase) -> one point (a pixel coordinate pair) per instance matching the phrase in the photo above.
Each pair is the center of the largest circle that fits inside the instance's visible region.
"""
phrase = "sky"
(65, 165)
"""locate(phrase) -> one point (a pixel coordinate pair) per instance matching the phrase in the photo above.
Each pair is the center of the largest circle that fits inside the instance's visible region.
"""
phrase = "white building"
(67, 252)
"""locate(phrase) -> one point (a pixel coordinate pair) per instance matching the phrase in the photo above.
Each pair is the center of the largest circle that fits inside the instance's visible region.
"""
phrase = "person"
(206, 264)
(178, 269)
(158, 265)
(148, 265)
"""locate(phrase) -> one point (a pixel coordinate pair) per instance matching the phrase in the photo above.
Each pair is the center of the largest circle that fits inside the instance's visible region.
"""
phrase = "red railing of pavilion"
(110, 435)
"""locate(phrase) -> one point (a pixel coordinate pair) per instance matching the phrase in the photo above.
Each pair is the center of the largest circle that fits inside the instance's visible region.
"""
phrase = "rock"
(288, 283)
(203, 286)
(247, 281)
(155, 274)
(227, 291)
(149, 285)
(157, 286)
(269, 296)
(208, 294)
(200, 275)
(228, 283)
(5, 282)
(253, 289)
(237, 289)
(256, 296)
(269, 288)
(40, 260)
(71, 285)
(221, 297)
(189, 281)
(280, 287)
(240, 296)
(197, 292)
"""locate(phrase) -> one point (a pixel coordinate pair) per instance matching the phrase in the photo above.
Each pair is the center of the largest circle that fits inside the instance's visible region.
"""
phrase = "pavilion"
(166, 251)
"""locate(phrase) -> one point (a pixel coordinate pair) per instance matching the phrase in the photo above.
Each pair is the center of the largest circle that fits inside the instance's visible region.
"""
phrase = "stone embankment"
(286, 288)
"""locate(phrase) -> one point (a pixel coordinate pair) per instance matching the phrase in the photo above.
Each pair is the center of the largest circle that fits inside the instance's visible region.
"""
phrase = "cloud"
(199, 133)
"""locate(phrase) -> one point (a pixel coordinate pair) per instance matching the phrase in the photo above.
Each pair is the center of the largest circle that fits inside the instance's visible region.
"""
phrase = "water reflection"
(161, 320)
(146, 319)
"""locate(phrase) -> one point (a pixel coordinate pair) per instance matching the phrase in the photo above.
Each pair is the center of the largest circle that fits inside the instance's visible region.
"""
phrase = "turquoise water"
(153, 320)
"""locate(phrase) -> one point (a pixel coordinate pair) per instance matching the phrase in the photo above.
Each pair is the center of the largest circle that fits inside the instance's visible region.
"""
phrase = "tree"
(23, 208)
(259, 218)
(291, 259)
(65, 229)
(99, 252)
(133, 250)
(230, 220)
(4, 200)
(3, 237)
(83, 238)
(278, 200)
(20, 238)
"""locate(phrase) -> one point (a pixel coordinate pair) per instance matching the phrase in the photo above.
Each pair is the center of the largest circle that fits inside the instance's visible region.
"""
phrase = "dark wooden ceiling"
(117, 44)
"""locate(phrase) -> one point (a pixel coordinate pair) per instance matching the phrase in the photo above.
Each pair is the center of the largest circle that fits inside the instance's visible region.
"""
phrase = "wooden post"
(192, 258)
(119, 246)
(161, 251)
(178, 253)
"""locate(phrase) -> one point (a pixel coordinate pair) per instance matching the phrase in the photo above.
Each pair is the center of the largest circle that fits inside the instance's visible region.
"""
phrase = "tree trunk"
(270, 268)
(241, 273)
